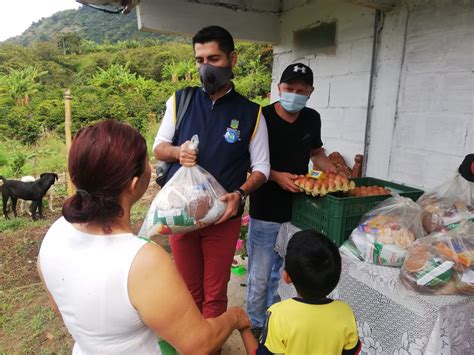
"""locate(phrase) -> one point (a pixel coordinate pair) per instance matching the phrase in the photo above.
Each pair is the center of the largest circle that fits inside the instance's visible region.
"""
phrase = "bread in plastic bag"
(446, 205)
(385, 232)
(187, 202)
(441, 263)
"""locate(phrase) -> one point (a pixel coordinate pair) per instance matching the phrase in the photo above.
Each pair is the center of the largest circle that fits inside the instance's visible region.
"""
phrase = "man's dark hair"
(314, 264)
(215, 33)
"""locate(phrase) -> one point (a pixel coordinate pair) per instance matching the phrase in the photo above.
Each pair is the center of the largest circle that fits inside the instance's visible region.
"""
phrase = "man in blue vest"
(233, 141)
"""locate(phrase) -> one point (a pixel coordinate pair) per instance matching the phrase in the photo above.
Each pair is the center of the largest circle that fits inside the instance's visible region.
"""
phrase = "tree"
(172, 71)
(255, 66)
(45, 50)
(118, 79)
(69, 42)
(188, 69)
(185, 69)
(19, 85)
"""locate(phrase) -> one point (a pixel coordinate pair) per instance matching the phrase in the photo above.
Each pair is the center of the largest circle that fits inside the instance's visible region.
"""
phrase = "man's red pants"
(204, 259)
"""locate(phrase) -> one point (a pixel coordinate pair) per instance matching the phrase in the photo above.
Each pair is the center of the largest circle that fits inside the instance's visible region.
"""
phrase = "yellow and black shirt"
(299, 327)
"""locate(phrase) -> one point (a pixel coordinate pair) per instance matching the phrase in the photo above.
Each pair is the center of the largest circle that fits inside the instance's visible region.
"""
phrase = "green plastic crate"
(336, 215)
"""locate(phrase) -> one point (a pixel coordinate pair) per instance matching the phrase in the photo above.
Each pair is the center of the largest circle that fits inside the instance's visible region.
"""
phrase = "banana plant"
(19, 84)
(172, 71)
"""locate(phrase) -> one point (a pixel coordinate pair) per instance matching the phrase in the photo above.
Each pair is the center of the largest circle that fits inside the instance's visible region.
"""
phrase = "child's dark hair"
(215, 33)
(313, 263)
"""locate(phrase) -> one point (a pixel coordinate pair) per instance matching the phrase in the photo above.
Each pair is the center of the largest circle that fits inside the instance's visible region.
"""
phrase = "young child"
(310, 323)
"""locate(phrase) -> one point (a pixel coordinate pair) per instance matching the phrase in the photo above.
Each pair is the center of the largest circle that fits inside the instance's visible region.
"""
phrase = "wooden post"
(67, 127)
(357, 169)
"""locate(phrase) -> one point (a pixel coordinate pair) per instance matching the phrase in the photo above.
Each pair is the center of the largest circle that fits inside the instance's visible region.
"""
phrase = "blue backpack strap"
(182, 106)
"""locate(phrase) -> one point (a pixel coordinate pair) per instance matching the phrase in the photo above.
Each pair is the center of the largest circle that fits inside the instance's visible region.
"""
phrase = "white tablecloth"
(391, 319)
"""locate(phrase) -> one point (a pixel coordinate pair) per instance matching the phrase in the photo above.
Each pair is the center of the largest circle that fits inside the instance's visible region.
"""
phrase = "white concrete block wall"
(458, 91)
(341, 79)
(431, 132)
(349, 148)
(434, 121)
(320, 96)
(338, 64)
(469, 146)
(441, 167)
(407, 166)
(449, 50)
(360, 61)
(354, 125)
(385, 92)
(332, 120)
(349, 91)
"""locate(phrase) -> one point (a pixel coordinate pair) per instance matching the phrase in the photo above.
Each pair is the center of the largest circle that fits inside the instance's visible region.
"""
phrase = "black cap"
(466, 169)
(297, 71)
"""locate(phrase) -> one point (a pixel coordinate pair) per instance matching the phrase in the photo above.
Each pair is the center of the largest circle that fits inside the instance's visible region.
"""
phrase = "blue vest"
(225, 130)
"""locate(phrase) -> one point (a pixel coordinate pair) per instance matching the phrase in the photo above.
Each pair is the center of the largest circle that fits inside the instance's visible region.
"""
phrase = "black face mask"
(214, 78)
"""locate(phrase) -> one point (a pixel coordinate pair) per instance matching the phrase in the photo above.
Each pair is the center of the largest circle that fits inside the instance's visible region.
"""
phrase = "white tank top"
(87, 276)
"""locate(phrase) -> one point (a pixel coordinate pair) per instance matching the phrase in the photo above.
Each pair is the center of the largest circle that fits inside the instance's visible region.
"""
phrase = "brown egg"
(309, 185)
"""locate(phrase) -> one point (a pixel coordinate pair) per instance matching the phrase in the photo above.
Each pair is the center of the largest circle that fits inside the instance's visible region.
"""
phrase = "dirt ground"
(237, 291)
(27, 325)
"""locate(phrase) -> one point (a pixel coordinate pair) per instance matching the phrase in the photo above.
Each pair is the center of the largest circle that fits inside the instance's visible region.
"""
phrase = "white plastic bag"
(188, 201)
(441, 263)
(446, 205)
(385, 232)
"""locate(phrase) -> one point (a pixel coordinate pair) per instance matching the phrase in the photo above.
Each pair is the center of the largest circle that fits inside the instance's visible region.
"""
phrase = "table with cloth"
(391, 319)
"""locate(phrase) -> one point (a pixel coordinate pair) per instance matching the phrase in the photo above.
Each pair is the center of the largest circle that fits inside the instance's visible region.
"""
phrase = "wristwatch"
(241, 194)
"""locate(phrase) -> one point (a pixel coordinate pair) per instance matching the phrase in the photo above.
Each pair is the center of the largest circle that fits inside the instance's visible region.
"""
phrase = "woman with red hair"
(115, 291)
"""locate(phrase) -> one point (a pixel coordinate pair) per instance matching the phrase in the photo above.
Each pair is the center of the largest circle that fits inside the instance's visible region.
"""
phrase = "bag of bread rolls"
(441, 263)
(446, 205)
(385, 233)
(187, 202)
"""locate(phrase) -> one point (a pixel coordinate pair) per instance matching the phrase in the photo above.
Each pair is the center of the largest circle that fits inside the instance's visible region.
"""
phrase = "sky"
(17, 15)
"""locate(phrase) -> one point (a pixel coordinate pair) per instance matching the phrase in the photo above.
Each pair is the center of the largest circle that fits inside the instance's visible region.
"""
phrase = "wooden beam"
(185, 17)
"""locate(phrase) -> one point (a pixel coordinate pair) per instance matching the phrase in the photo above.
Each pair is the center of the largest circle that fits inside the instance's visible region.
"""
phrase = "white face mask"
(292, 102)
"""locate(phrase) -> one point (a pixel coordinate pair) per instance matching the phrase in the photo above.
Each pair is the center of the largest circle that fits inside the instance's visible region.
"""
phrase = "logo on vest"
(232, 134)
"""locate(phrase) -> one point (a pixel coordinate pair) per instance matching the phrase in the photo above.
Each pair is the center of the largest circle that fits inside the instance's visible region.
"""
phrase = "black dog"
(30, 191)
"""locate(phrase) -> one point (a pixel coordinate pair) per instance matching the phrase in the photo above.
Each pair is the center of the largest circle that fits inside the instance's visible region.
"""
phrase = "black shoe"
(257, 332)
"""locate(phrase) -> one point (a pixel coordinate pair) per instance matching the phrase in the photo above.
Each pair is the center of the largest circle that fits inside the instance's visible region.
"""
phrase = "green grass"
(48, 156)
(21, 222)
(139, 211)
(27, 320)
(12, 224)
(150, 138)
